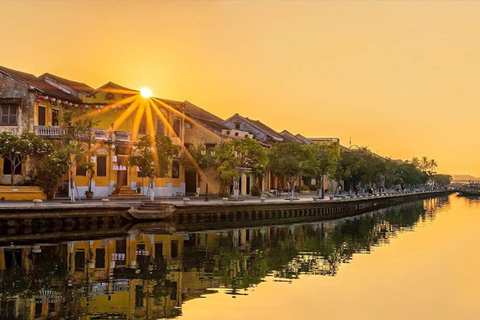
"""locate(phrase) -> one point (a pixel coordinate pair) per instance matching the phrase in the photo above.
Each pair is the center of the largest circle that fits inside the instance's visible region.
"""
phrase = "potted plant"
(88, 166)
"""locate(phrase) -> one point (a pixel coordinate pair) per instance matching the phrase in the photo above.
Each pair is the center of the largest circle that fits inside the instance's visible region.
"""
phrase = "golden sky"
(399, 77)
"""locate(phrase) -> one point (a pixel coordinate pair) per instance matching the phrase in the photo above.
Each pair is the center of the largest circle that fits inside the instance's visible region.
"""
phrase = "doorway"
(190, 181)
(122, 177)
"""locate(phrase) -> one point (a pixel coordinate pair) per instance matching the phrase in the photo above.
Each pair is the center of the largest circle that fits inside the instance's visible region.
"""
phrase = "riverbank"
(93, 219)
(61, 209)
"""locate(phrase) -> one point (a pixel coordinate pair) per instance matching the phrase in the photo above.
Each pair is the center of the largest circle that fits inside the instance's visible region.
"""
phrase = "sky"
(399, 77)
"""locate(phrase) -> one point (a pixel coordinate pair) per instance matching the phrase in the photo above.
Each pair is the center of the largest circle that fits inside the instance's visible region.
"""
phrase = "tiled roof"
(38, 84)
(260, 125)
(74, 85)
(113, 85)
(199, 115)
(288, 136)
(304, 139)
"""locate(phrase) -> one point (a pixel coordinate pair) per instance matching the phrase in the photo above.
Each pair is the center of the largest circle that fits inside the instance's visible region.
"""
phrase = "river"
(417, 260)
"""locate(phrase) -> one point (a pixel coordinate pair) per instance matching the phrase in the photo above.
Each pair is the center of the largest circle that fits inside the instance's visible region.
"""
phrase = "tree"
(77, 132)
(166, 150)
(152, 157)
(145, 161)
(17, 149)
(194, 159)
(49, 175)
(238, 156)
(443, 179)
(289, 160)
(323, 161)
(89, 168)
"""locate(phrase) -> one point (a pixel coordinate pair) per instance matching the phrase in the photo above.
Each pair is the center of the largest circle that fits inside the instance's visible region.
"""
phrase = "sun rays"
(143, 111)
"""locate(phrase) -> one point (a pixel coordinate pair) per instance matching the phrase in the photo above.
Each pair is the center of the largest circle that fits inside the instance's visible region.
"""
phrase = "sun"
(145, 92)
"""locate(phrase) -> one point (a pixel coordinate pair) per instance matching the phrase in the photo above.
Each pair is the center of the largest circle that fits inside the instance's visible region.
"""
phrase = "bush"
(256, 191)
(305, 188)
(49, 176)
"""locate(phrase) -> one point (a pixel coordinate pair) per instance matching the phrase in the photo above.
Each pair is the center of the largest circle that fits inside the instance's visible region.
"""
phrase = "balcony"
(122, 135)
(96, 134)
(47, 131)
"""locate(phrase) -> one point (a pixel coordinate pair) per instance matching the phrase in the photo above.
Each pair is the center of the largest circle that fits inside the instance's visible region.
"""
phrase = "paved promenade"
(59, 204)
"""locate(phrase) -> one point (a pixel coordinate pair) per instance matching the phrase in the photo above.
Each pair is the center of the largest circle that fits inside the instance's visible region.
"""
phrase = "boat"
(152, 211)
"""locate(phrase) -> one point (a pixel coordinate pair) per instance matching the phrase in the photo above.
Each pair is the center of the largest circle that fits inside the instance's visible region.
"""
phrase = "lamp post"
(210, 154)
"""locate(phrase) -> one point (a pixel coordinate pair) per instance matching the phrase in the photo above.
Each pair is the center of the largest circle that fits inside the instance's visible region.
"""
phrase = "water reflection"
(150, 276)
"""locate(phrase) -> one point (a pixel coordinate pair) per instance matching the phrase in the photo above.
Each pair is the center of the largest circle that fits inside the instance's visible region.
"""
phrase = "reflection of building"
(150, 276)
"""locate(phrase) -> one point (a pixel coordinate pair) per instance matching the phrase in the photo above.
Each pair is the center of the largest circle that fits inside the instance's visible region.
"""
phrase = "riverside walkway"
(60, 205)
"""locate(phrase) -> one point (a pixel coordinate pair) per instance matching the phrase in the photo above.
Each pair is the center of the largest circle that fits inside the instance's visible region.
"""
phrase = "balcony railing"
(46, 131)
(97, 134)
(122, 135)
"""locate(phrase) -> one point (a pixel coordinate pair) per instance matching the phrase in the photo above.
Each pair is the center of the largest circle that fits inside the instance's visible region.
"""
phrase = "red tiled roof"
(74, 85)
(38, 84)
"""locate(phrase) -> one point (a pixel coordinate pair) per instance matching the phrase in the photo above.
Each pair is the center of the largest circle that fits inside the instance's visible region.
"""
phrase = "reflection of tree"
(284, 251)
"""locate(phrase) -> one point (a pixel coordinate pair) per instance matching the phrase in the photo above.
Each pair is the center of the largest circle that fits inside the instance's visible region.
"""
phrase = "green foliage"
(18, 148)
(144, 158)
(289, 159)
(238, 156)
(323, 159)
(148, 162)
(362, 167)
(256, 191)
(50, 173)
(443, 179)
(166, 150)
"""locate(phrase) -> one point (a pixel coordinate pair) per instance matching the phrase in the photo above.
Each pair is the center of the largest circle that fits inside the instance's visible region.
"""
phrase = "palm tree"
(433, 164)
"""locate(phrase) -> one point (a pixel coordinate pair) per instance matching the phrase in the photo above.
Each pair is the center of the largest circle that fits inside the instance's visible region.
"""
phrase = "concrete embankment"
(235, 213)
(179, 211)
(58, 220)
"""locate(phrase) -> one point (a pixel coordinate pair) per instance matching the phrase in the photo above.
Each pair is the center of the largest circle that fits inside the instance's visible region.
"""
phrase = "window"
(237, 125)
(138, 296)
(143, 125)
(160, 127)
(140, 174)
(8, 115)
(80, 170)
(175, 169)
(42, 119)
(7, 167)
(38, 308)
(172, 287)
(101, 166)
(174, 248)
(109, 96)
(176, 126)
(80, 261)
(121, 247)
(100, 258)
(55, 117)
(158, 251)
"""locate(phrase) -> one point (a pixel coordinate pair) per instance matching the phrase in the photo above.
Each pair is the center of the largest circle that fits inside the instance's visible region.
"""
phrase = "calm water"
(414, 261)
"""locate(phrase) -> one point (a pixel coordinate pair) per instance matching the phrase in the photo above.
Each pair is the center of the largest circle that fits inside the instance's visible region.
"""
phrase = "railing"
(46, 131)
(97, 134)
(122, 135)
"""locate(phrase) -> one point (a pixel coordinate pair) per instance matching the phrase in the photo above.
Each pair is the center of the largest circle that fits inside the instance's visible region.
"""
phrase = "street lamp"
(210, 154)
